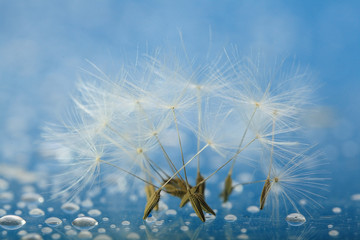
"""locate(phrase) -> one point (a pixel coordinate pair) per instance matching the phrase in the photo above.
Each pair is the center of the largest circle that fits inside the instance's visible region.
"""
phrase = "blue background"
(43, 45)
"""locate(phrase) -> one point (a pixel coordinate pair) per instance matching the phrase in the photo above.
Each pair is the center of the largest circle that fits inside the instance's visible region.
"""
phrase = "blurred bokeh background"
(44, 44)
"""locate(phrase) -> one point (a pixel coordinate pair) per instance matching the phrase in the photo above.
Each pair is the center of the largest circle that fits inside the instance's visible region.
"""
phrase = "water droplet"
(53, 222)
(243, 230)
(71, 232)
(11, 222)
(6, 197)
(36, 212)
(159, 223)
(94, 212)
(336, 210)
(193, 214)
(21, 204)
(238, 189)
(184, 228)
(209, 217)
(133, 235)
(171, 212)
(230, 218)
(87, 203)
(295, 219)
(70, 208)
(253, 209)
(7, 206)
(32, 198)
(243, 236)
(18, 212)
(85, 234)
(2, 212)
(355, 197)
(102, 237)
(125, 223)
(67, 227)
(333, 233)
(155, 230)
(32, 236)
(56, 236)
(330, 226)
(3, 184)
(101, 230)
(142, 227)
(84, 223)
(22, 232)
(150, 219)
(227, 205)
(46, 230)
(303, 202)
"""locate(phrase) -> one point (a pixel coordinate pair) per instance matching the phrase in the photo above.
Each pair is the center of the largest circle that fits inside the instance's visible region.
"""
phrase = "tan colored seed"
(227, 189)
(151, 203)
(149, 191)
(264, 193)
(201, 187)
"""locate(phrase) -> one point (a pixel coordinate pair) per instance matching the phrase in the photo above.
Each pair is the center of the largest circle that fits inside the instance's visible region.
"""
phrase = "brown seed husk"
(185, 199)
(201, 187)
(203, 204)
(176, 187)
(196, 206)
(227, 189)
(264, 193)
(151, 203)
(149, 191)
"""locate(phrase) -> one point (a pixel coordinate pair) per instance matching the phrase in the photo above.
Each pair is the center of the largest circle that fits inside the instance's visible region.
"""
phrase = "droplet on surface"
(3, 184)
(53, 222)
(84, 223)
(94, 212)
(32, 198)
(355, 197)
(102, 237)
(6, 197)
(70, 208)
(87, 203)
(85, 234)
(133, 235)
(56, 236)
(209, 217)
(22, 232)
(336, 210)
(227, 205)
(295, 219)
(171, 212)
(2, 212)
(334, 233)
(36, 212)
(71, 232)
(125, 223)
(184, 228)
(253, 209)
(46, 230)
(18, 212)
(11, 222)
(243, 236)
(230, 218)
(31, 236)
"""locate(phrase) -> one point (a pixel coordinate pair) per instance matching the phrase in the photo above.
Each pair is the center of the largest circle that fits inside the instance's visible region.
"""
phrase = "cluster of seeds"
(157, 119)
